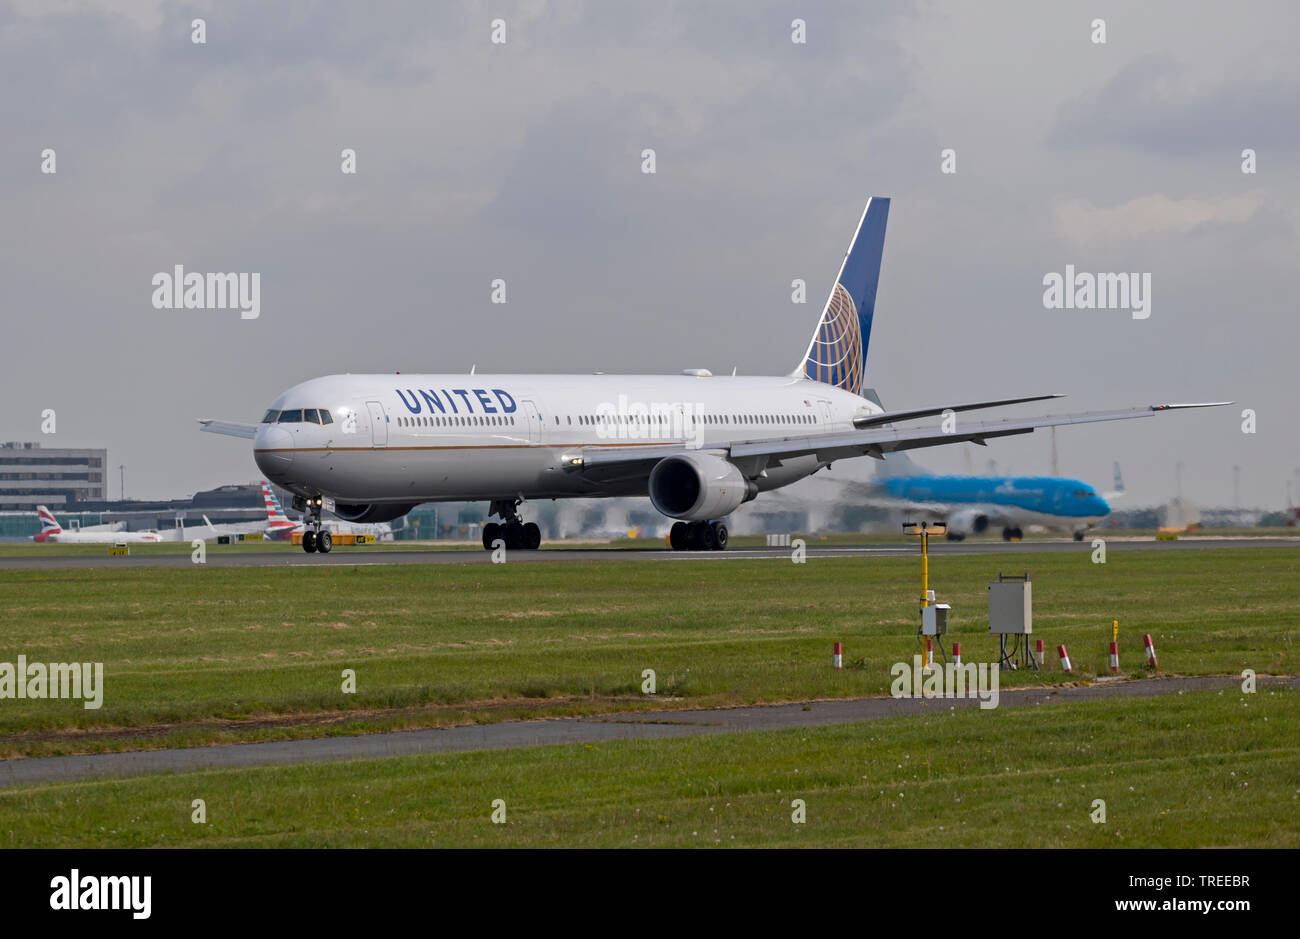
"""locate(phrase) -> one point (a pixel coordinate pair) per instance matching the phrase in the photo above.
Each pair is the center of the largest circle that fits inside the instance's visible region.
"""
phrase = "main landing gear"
(1012, 534)
(698, 536)
(514, 532)
(317, 537)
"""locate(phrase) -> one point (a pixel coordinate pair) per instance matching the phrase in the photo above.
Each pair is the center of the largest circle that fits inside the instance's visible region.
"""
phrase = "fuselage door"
(378, 424)
(534, 421)
(824, 407)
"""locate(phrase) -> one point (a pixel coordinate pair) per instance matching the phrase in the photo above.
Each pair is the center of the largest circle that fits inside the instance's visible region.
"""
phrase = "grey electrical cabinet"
(1011, 607)
(934, 619)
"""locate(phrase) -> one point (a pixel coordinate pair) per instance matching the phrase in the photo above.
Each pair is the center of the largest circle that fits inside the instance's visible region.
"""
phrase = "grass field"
(1200, 769)
(219, 654)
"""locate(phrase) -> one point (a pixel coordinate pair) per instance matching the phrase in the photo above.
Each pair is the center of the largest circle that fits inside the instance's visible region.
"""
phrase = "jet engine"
(372, 512)
(967, 521)
(698, 486)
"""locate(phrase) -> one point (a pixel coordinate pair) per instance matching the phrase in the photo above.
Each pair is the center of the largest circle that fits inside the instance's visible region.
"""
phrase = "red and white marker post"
(1042, 653)
(1151, 651)
(956, 654)
(1114, 657)
(1065, 658)
(837, 656)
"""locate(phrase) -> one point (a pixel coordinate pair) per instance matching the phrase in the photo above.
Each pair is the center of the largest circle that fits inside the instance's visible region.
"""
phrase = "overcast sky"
(523, 161)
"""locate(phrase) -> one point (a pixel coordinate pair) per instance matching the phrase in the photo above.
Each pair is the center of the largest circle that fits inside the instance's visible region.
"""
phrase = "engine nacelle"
(968, 521)
(696, 487)
(371, 512)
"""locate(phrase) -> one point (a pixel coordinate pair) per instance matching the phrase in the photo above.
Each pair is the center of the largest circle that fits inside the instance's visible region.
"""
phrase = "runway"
(655, 724)
(360, 556)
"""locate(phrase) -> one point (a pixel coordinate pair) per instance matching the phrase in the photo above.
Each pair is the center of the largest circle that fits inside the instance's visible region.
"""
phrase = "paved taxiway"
(48, 556)
(623, 726)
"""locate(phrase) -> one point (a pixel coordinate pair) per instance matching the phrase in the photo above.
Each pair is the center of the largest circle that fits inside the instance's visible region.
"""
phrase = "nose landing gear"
(316, 537)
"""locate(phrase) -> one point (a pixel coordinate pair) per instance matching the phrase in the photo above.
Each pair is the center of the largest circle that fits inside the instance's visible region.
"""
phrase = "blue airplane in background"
(973, 504)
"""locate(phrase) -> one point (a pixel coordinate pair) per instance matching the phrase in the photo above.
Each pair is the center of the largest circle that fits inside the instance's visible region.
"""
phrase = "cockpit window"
(311, 416)
(270, 416)
(325, 417)
(291, 417)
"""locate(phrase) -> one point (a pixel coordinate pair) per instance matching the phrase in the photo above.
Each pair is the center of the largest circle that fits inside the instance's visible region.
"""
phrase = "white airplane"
(279, 527)
(52, 533)
(698, 445)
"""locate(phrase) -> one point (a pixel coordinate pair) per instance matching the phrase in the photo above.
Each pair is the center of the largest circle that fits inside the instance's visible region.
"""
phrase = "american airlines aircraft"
(698, 445)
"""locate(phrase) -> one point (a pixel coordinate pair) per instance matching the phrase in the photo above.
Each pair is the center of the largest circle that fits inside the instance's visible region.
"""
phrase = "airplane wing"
(614, 463)
(893, 417)
(229, 428)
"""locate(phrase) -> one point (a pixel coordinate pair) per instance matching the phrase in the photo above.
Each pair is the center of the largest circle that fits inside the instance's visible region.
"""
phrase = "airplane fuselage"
(423, 438)
(80, 537)
(1050, 501)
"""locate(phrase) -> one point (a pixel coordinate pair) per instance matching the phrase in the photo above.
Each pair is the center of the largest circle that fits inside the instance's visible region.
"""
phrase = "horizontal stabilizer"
(229, 428)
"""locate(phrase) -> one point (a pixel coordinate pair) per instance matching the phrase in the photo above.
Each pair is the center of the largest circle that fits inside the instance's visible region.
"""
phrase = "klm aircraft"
(698, 446)
(975, 504)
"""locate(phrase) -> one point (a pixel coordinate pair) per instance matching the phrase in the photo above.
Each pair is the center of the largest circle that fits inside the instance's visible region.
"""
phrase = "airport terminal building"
(32, 475)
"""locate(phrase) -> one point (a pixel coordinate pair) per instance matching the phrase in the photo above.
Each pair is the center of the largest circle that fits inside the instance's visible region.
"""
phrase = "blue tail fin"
(837, 354)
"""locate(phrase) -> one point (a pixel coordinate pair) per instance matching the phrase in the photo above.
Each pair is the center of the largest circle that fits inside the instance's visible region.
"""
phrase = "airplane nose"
(273, 450)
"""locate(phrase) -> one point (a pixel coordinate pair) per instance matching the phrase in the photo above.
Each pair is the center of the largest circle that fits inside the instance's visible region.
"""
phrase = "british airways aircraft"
(698, 445)
(52, 533)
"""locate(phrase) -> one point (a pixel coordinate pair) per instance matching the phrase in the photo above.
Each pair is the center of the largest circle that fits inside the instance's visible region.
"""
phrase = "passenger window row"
(449, 421)
(631, 419)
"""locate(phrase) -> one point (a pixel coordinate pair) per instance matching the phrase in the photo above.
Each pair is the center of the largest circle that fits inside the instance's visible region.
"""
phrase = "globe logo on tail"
(835, 357)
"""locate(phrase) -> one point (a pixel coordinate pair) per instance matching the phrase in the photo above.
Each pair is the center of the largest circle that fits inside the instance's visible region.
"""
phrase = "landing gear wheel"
(513, 531)
(1019, 535)
(324, 541)
(677, 536)
(309, 541)
(1008, 534)
(704, 537)
(954, 536)
(1078, 536)
(720, 536)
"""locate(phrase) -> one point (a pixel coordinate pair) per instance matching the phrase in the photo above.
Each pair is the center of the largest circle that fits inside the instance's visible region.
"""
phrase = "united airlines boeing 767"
(698, 445)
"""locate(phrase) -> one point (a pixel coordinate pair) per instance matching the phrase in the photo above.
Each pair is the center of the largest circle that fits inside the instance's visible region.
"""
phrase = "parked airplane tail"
(49, 524)
(276, 520)
(1119, 485)
(837, 353)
